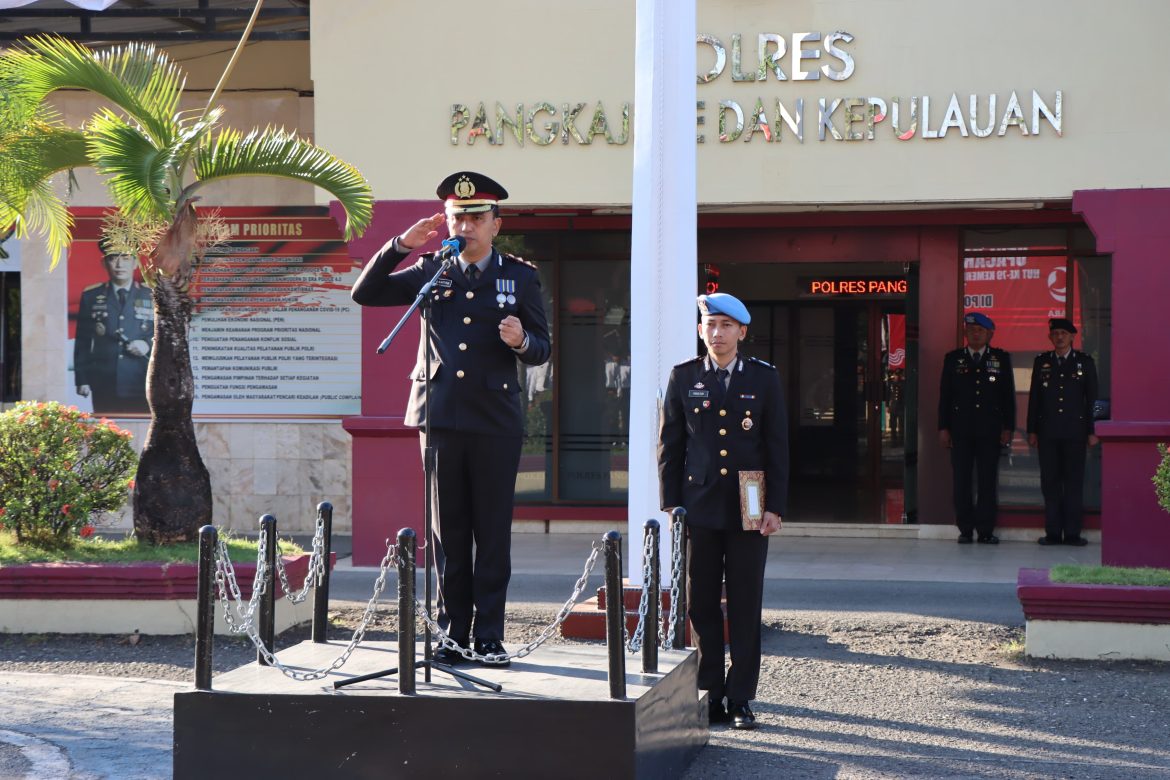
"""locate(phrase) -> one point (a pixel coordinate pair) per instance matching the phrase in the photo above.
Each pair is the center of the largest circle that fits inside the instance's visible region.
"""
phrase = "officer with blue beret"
(485, 313)
(1060, 426)
(976, 418)
(724, 414)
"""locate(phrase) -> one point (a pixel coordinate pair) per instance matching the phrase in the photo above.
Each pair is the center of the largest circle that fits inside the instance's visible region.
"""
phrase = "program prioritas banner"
(274, 333)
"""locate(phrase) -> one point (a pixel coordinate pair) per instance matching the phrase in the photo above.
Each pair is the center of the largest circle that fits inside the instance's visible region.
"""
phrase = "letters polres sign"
(852, 287)
(802, 57)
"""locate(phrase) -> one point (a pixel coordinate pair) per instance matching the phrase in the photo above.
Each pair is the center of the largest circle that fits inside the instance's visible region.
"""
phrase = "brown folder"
(751, 499)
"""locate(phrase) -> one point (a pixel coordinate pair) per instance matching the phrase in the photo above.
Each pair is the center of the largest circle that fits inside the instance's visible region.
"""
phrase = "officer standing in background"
(115, 333)
(1060, 425)
(485, 313)
(976, 417)
(724, 414)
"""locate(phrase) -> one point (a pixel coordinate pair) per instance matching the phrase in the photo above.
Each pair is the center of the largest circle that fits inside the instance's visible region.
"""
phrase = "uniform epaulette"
(515, 259)
(763, 363)
(94, 286)
(696, 359)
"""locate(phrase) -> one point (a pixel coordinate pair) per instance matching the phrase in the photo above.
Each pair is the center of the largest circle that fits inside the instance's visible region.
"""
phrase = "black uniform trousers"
(1062, 481)
(978, 454)
(475, 484)
(739, 556)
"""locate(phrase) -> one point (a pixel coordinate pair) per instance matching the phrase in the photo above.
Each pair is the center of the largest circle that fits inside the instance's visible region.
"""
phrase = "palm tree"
(155, 159)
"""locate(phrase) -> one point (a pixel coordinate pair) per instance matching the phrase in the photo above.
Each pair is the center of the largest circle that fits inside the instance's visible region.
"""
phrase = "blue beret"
(978, 318)
(722, 303)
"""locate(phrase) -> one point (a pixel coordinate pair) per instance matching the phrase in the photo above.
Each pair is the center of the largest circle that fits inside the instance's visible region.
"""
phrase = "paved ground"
(884, 659)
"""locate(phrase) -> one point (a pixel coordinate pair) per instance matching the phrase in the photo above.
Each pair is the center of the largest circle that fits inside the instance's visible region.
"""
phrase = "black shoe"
(1047, 541)
(988, 539)
(492, 647)
(965, 538)
(448, 657)
(717, 713)
(1076, 541)
(741, 715)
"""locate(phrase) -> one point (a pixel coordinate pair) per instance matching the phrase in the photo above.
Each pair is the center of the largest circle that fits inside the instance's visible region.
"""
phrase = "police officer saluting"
(486, 313)
(1060, 425)
(976, 417)
(723, 415)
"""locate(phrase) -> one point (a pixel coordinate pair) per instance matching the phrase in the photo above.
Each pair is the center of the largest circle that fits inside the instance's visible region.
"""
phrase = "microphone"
(451, 248)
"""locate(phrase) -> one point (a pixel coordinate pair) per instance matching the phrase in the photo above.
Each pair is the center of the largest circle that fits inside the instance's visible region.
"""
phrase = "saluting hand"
(511, 331)
(421, 232)
(770, 524)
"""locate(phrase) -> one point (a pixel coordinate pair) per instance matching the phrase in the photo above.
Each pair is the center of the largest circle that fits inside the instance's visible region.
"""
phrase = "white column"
(663, 267)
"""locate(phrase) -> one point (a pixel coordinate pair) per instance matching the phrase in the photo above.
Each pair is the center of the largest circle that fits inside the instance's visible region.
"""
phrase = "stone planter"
(1094, 622)
(150, 598)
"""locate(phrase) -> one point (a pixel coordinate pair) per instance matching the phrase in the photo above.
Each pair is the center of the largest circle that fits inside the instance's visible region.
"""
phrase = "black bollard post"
(678, 543)
(406, 565)
(268, 599)
(615, 615)
(653, 602)
(205, 608)
(321, 592)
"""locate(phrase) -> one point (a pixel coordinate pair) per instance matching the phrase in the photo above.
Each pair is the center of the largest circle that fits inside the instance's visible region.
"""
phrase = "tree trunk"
(172, 489)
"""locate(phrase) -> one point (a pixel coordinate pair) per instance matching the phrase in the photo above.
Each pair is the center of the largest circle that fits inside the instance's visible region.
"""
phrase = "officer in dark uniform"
(1060, 425)
(724, 414)
(115, 333)
(976, 417)
(486, 313)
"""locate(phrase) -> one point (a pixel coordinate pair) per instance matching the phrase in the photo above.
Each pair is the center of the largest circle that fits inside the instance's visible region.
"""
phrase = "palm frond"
(275, 152)
(137, 169)
(136, 78)
(27, 198)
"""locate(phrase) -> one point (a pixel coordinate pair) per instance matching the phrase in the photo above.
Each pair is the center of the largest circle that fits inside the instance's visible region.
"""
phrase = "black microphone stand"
(430, 464)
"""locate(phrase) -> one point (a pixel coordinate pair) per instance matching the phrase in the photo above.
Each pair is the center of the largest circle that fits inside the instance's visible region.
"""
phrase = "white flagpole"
(664, 266)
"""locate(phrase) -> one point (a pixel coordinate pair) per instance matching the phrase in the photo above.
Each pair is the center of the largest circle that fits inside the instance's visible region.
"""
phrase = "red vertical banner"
(896, 356)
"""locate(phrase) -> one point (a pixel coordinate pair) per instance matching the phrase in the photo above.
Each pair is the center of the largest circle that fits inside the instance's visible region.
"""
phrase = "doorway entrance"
(848, 363)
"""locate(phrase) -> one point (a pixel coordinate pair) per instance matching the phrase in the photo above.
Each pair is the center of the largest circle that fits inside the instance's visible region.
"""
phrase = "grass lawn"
(96, 550)
(1109, 575)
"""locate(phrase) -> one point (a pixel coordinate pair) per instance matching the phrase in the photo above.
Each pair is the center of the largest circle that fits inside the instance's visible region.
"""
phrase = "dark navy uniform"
(1060, 415)
(977, 404)
(106, 324)
(476, 414)
(708, 435)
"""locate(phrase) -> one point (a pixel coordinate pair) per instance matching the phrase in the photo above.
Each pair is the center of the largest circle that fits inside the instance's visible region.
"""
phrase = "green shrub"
(60, 469)
(1162, 478)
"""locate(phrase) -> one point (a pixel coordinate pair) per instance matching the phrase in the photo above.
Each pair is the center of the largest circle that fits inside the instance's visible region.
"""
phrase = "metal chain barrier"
(390, 559)
(225, 580)
(468, 653)
(316, 569)
(676, 543)
(634, 643)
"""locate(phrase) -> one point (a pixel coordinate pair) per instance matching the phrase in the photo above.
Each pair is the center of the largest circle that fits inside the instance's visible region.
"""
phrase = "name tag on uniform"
(698, 393)
(444, 282)
(748, 396)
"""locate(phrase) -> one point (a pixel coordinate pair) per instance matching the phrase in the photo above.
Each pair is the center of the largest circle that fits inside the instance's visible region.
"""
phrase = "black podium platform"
(554, 718)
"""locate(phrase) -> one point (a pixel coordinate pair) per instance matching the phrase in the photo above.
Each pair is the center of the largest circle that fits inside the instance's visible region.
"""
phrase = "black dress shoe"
(965, 538)
(492, 647)
(448, 657)
(988, 539)
(741, 715)
(717, 713)
(1047, 541)
(1076, 541)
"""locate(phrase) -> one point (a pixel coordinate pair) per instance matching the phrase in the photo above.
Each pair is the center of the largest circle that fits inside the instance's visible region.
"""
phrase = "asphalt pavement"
(84, 728)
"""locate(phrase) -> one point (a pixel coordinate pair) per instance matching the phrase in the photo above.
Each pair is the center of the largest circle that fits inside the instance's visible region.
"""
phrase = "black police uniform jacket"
(1061, 397)
(104, 329)
(474, 385)
(977, 398)
(706, 438)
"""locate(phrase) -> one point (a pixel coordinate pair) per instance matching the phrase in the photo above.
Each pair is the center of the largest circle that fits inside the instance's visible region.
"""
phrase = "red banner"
(1019, 293)
(897, 348)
